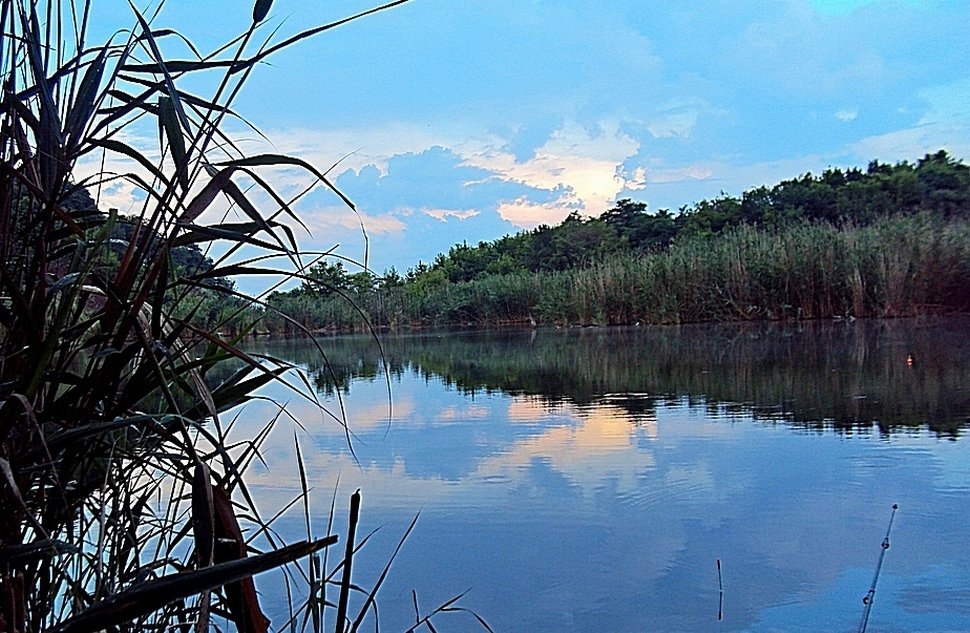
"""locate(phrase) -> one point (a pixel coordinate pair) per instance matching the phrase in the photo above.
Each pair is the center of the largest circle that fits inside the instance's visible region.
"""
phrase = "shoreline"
(525, 324)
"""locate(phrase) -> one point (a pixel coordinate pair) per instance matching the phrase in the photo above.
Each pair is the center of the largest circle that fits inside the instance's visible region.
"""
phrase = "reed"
(123, 490)
(900, 266)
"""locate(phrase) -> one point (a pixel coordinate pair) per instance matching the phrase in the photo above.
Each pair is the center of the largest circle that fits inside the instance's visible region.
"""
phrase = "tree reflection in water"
(848, 376)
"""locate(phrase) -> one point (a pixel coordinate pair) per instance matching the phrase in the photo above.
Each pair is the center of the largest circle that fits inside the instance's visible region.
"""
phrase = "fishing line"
(720, 593)
(867, 600)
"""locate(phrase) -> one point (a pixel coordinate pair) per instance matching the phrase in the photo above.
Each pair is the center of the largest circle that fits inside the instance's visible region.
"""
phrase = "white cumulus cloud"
(579, 165)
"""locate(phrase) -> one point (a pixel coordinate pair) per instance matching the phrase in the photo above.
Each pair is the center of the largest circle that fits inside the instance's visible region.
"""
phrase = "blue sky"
(464, 120)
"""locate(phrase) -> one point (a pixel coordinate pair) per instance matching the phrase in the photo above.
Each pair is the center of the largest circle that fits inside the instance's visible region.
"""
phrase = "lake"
(590, 479)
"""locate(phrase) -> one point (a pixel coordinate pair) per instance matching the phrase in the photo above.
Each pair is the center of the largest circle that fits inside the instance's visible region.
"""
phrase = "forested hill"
(936, 183)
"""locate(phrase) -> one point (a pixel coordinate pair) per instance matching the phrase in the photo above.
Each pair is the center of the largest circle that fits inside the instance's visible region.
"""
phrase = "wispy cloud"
(442, 215)
(680, 174)
(322, 221)
(847, 115)
(674, 124)
(525, 214)
(944, 124)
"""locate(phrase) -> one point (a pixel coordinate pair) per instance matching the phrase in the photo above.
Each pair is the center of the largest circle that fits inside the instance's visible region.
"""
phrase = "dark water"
(589, 480)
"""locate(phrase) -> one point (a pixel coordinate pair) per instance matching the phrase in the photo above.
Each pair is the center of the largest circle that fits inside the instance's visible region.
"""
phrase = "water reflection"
(588, 480)
(846, 375)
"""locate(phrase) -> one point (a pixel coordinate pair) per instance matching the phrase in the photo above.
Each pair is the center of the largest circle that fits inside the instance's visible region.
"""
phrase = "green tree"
(712, 216)
(578, 242)
(390, 279)
(325, 278)
(362, 282)
(944, 184)
(638, 229)
(805, 198)
(625, 216)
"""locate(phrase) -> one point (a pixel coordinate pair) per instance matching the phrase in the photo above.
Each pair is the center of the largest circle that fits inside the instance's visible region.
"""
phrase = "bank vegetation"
(889, 241)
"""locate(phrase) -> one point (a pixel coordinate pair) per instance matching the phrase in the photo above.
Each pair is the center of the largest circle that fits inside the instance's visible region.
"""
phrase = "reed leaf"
(169, 127)
(153, 595)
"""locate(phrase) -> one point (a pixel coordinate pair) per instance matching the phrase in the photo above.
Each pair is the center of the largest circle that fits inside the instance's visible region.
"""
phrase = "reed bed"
(900, 266)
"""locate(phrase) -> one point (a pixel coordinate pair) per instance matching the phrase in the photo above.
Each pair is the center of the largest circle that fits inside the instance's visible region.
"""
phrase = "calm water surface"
(589, 480)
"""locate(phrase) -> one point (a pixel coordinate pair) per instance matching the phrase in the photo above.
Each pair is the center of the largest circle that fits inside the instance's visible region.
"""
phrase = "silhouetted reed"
(123, 496)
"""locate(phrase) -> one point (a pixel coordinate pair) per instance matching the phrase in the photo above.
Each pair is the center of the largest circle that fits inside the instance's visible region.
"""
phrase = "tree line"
(936, 185)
